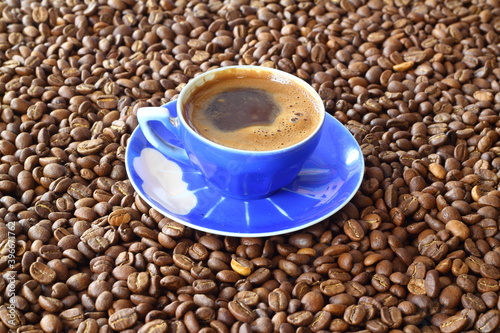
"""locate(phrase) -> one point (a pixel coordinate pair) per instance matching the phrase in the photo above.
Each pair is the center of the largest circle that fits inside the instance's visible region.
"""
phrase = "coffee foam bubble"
(298, 118)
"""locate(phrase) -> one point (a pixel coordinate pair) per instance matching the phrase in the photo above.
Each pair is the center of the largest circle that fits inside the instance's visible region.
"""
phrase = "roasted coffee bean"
(204, 286)
(450, 296)
(50, 304)
(11, 318)
(51, 323)
(87, 325)
(241, 311)
(182, 261)
(321, 320)
(79, 281)
(242, 266)
(154, 326)
(313, 301)
(354, 314)
(71, 318)
(471, 301)
(391, 316)
(119, 217)
(353, 229)
(458, 228)
(376, 325)
(104, 301)
(489, 271)
(332, 287)
(123, 319)
(78, 191)
(138, 282)
(300, 318)
(488, 322)
(278, 300)
(259, 276)
(453, 324)
(42, 273)
(487, 285)
(49, 252)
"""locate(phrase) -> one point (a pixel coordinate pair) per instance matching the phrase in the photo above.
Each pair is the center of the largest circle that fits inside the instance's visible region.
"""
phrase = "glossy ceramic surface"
(328, 181)
(242, 174)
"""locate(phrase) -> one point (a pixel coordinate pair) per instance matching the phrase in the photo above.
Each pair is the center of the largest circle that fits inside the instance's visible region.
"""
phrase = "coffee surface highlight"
(252, 110)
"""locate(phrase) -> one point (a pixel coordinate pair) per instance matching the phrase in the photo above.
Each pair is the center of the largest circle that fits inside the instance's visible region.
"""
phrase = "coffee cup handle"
(154, 119)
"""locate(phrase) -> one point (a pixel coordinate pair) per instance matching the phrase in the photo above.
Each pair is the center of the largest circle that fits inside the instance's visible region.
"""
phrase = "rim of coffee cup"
(207, 76)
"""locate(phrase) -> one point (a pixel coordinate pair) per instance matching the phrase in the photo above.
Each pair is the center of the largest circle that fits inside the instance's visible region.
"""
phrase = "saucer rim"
(201, 228)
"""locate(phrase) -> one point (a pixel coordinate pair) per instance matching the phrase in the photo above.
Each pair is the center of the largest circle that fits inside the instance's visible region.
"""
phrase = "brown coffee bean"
(332, 287)
(458, 228)
(51, 323)
(104, 301)
(488, 322)
(313, 301)
(154, 326)
(381, 282)
(204, 286)
(353, 230)
(321, 321)
(391, 316)
(417, 286)
(198, 252)
(59, 290)
(259, 276)
(453, 324)
(300, 318)
(12, 319)
(50, 304)
(49, 252)
(471, 301)
(241, 311)
(88, 325)
(278, 300)
(489, 271)
(487, 285)
(376, 326)
(450, 296)
(242, 266)
(72, 318)
(79, 191)
(138, 282)
(123, 319)
(432, 284)
(119, 217)
(247, 297)
(79, 281)
(289, 268)
(182, 261)
(42, 273)
(354, 314)
(433, 248)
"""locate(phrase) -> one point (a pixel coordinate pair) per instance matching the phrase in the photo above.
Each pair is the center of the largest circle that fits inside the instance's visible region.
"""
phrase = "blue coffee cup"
(237, 173)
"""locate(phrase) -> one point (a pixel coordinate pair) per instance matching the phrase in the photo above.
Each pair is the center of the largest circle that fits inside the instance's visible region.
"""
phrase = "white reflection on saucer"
(213, 207)
(281, 210)
(162, 181)
(352, 157)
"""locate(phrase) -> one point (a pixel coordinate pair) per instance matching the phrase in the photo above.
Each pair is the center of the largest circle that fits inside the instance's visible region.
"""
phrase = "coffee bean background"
(416, 250)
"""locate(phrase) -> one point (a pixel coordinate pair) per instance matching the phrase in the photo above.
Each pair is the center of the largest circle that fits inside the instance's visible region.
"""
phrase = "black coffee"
(252, 109)
(235, 109)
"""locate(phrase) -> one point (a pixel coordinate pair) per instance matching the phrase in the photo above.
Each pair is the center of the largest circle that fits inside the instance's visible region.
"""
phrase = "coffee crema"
(252, 110)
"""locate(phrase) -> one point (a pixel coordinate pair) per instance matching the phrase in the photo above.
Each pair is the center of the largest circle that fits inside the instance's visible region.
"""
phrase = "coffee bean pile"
(416, 250)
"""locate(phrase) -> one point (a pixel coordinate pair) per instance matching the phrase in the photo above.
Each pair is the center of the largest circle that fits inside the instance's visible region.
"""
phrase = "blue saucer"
(328, 181)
